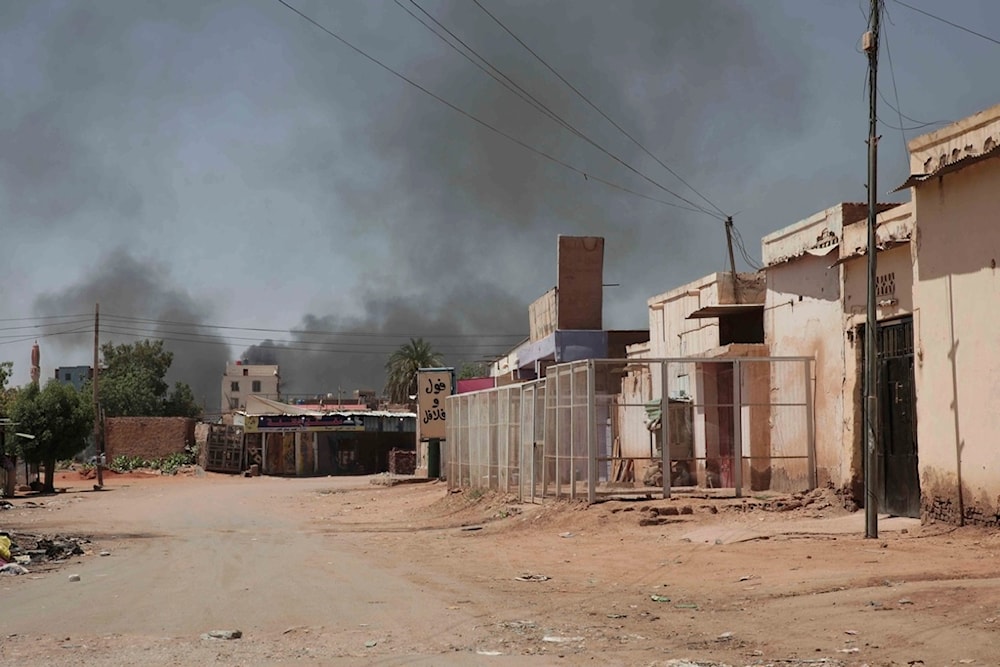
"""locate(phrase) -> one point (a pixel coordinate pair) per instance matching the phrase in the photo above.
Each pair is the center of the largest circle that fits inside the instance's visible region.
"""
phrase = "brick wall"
(147, 437)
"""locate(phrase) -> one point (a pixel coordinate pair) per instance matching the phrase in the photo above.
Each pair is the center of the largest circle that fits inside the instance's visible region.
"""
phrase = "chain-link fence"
(599, 427)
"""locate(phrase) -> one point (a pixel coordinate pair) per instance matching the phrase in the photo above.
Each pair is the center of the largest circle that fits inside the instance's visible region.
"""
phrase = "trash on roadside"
(488, 653)
(555, 639)
(13, 569)
(659, 598)
(74, 577)
(371, 643)
(4, 548)
(567, 534)
(533, 577)
(222, 634)
(617, 615)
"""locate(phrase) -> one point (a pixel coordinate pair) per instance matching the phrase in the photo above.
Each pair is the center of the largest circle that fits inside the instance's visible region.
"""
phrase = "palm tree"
(401, 369)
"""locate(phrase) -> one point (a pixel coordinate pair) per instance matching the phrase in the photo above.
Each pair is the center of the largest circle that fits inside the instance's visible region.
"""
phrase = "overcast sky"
(229, 164)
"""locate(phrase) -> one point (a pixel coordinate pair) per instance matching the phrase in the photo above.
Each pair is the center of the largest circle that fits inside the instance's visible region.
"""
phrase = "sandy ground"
(338, 571)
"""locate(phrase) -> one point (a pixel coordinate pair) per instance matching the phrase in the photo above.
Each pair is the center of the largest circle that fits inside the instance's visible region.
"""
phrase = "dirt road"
(339, 571)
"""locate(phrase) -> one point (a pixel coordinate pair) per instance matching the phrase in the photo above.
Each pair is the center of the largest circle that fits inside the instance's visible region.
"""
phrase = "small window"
(234, 403)
(234, 386)
(67, 377)
(256, 386)
(246, 372)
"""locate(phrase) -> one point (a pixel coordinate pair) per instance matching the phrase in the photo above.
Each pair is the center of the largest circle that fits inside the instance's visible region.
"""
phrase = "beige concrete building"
(816, 307)
(937, 293)
(242, 380)
(712, 317)
(956, 292)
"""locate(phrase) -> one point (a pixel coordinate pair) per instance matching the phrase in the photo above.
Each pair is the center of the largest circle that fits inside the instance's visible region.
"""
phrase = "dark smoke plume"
(141, 289)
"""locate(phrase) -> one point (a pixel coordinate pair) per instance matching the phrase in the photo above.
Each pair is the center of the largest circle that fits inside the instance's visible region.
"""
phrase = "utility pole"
(732, 259)
(870, 410)
(98, 445)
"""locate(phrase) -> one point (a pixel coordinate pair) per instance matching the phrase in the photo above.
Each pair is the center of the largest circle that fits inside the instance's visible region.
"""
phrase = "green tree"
(473, 370)
(6, 395)
(59, 418)
(180, 402)
(131, 382)
(401, 369)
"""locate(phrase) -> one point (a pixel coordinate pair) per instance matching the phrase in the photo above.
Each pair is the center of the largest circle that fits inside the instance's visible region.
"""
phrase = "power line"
(317, 332)
(42, 317)
(319, 345)
(47, 335)
(917, 123)
(39, 326)
(495, 74)
(533, 101)
(304, 346)
(946, 21)
(895, 90)
(586, 175)
(598, 109)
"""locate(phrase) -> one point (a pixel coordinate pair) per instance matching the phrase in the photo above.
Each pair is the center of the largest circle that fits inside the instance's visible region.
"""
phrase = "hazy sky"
(228, 163)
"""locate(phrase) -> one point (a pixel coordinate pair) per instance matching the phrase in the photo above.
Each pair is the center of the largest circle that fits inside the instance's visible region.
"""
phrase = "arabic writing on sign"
(433, 387)
(435, 412)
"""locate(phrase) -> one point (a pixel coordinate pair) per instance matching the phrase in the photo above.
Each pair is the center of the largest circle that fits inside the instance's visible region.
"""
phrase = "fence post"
(555, 434)
(591, 433)
(665, 426)
(737, 429)
(572, 433)
(810, 433)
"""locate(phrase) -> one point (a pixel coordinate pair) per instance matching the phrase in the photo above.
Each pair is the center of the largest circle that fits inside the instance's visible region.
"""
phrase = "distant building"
(242, 380)
(74, 375)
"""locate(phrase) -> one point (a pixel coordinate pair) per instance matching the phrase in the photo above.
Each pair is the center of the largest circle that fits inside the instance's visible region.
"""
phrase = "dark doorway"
(897, 419)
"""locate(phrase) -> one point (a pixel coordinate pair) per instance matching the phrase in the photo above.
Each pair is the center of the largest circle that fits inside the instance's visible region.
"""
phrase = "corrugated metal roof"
(916, 179)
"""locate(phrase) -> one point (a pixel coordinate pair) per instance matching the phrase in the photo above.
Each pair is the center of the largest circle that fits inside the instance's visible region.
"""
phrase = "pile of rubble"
(18, 551)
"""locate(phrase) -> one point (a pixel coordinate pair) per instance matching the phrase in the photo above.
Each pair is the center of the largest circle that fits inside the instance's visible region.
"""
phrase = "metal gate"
(224, 449)
(898, 419)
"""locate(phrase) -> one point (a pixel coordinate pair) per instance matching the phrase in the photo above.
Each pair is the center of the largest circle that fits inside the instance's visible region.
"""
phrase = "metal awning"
(724, 309)
(916, 179)
(861, 252)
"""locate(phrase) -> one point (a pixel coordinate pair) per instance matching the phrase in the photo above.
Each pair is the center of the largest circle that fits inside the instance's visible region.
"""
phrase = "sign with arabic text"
(433, 386)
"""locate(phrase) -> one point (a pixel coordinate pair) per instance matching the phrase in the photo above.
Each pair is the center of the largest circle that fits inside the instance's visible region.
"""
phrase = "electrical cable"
(598, 109)
(317, 344)
(495, 74)
(265, 345)
(318, 332)
(892, 75)
(946, 21)
(586, 175)
(37, 326)
(536, 103)
(47, 335)
(918, 123)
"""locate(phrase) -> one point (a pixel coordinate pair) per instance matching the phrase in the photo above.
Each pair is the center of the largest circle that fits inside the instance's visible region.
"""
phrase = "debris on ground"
(13, 569)
(26, 549)
(222, 634)
(533, 577)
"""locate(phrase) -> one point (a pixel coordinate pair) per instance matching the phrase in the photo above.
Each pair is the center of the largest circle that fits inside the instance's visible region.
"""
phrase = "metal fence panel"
(598, 427)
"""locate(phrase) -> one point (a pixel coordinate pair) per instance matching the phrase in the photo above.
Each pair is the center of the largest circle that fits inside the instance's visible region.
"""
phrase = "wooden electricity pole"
(98, 445)
(870, 410)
